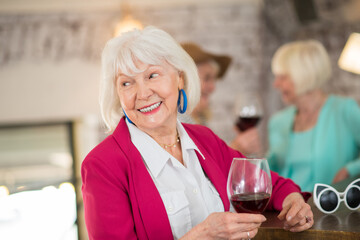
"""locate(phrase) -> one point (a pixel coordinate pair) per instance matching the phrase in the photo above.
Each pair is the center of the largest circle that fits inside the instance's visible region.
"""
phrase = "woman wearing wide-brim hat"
(212, 68)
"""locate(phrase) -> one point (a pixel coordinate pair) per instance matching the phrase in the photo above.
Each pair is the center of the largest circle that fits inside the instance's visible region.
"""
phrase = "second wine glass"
(248, 110)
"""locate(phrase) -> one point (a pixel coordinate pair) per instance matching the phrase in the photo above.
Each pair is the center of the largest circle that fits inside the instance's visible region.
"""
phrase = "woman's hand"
(247, 142)
(226, 225)
(342, 174)
(296, 213)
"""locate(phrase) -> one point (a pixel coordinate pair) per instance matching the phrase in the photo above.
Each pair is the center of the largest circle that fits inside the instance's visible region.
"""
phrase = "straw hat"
(199, 56)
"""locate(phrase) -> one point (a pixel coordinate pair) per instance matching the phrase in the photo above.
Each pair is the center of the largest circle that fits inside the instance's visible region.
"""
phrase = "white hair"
(151, 46)
(306, 62)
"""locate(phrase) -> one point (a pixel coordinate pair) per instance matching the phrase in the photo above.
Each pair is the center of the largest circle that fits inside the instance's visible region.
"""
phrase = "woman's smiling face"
(149, 98)
(286, 87)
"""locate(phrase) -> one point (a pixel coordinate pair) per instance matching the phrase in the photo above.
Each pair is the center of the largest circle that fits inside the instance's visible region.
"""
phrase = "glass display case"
(37, 194)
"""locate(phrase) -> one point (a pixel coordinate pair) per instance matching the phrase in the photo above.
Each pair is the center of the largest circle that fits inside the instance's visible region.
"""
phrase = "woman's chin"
(154, 121)
(286, 100)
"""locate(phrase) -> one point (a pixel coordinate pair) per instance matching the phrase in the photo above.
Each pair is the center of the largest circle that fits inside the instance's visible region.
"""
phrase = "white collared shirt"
(188, 195)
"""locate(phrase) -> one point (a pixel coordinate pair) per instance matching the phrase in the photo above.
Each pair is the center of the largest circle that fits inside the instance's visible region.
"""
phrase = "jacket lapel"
(213, 172)
(151, 207)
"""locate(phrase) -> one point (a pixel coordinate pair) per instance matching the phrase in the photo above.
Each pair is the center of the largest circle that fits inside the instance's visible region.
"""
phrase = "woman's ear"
(181, 80)
(117, 86)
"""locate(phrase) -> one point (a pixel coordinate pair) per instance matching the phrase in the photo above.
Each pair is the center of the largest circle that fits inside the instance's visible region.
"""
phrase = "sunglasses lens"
(328, 200)
(353, 197)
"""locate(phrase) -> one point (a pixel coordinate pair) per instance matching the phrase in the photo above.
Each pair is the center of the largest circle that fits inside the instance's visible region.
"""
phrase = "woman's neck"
(310, 102)
(164, 135)
(168, 138)
(308, 108)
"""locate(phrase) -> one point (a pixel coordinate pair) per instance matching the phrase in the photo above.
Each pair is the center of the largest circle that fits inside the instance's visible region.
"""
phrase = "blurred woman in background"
(317, 138)
(212, 68)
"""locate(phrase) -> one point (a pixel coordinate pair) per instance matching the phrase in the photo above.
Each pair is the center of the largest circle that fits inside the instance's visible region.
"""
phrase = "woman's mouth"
(150, 108)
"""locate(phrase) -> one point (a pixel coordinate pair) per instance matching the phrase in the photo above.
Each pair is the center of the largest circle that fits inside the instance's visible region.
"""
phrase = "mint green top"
(316, 155)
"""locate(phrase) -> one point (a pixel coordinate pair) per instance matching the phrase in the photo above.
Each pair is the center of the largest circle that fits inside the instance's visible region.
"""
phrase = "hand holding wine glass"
(248, 111)
(248, 142)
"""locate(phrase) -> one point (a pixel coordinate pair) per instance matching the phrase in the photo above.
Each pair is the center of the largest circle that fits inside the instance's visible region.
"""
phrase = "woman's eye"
(153, 75)
(125, 84)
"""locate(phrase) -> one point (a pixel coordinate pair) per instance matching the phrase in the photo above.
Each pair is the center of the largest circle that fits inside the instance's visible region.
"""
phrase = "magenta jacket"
(121, 200)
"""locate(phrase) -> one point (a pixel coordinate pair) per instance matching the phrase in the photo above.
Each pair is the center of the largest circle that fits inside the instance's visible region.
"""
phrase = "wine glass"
(248, 110)
(249, 185)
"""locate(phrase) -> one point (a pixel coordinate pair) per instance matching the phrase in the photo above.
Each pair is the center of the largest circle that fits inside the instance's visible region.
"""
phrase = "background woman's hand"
(247, 142)
(342, 174)
(296, 213)
(227, 225)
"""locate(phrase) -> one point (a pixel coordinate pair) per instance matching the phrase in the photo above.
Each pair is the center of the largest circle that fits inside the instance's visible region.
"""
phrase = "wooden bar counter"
(342, 224)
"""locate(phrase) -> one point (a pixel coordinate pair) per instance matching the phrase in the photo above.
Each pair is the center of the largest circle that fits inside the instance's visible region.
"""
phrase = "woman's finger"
(303, 214)
(304, 224)
(249, 226)
(284, 211)
(250, 218)
(292, 217)
(226, 225)
(245, 235)
(304, 227)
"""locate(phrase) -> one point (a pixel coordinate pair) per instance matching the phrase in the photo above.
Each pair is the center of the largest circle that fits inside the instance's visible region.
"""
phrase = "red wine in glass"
(244, 123)
(250, 202)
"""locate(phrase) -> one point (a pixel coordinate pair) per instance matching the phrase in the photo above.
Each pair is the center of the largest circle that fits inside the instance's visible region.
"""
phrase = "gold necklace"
(174, 144)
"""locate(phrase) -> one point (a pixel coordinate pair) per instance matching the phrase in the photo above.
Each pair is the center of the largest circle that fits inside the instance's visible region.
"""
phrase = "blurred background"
(49, 75)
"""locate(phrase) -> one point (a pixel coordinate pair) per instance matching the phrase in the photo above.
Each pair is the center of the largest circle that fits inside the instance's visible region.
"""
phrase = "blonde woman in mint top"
(317, 138)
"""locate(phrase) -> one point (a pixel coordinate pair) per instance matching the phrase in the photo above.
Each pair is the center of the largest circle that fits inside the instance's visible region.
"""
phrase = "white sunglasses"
(327, 199)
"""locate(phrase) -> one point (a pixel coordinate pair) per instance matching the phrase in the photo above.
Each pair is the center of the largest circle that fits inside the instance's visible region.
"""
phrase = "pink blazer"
(122, 202)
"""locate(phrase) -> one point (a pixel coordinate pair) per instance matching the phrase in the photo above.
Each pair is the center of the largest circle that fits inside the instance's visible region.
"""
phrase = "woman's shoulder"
(341, 106)
(198, 130)
(337, 101)
(107, 154)
(344, 108)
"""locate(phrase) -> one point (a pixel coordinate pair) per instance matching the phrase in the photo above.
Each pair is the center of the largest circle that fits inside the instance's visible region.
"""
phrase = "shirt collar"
(154, 156)
(186, 142)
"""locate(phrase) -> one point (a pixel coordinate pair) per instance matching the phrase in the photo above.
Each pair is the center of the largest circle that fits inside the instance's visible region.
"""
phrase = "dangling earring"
(183, 110)
(127, 117)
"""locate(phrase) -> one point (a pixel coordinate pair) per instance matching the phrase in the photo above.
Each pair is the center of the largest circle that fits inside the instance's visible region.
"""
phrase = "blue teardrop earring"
(184, 97)
(127, 117)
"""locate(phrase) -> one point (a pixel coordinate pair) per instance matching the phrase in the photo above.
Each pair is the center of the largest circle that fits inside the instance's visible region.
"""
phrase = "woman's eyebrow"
(123, 76)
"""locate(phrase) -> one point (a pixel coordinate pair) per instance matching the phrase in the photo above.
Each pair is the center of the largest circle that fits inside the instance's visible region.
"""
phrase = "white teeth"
(150, 108)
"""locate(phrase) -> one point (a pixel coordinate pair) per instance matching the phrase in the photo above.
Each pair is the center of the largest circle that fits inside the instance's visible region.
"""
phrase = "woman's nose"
(209, 85)
(143, 91)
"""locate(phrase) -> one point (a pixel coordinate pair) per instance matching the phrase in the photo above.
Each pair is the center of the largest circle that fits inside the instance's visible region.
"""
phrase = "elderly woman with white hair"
(154, 177)
(317, 138)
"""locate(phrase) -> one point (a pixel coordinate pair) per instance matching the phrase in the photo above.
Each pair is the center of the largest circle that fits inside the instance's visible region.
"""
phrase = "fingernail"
(289, 218)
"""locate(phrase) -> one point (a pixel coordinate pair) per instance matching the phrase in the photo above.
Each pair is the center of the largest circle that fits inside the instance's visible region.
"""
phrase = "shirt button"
(170, 209)
(195, 190)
